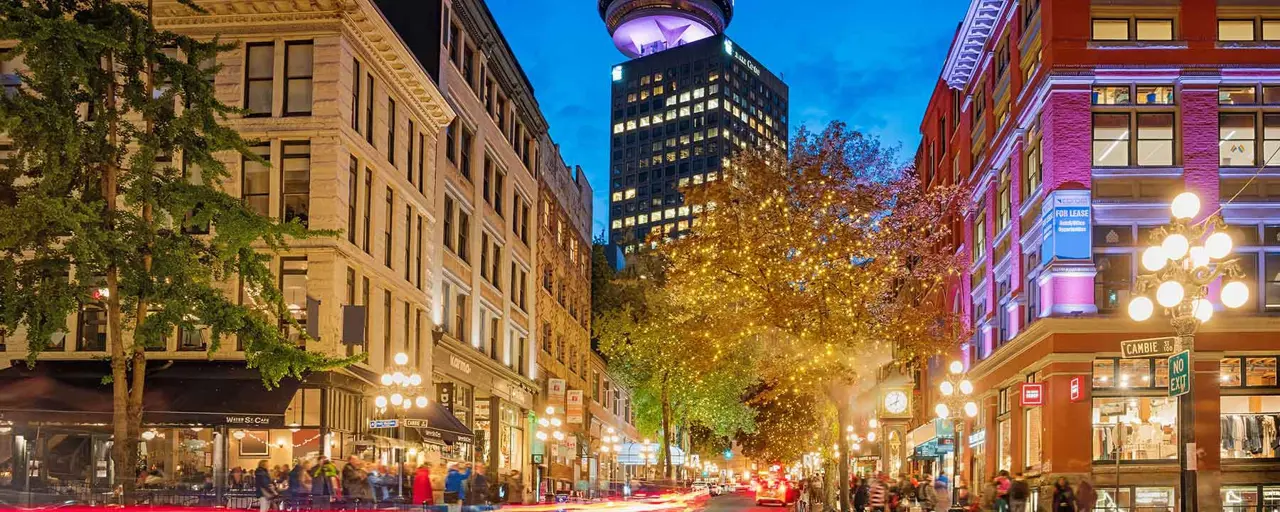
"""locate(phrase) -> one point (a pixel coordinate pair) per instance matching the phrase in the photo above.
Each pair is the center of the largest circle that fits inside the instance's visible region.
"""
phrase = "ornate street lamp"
(954, 403)
(610, 444)
(1185, 258)
(401, 391)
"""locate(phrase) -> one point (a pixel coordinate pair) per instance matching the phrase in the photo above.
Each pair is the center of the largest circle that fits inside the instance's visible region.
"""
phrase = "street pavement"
(739, 502)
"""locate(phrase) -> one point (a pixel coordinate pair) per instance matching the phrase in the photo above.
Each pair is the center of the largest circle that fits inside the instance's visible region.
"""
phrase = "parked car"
(773, 492)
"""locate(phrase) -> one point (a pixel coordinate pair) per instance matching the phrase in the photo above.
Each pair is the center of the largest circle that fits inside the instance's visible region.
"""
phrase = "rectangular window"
(293, 288)
(464, 232)
(353, 197)
(386, 328)
(448, 223)
(1112, 280)
(422, 150)
(417, 263)
(1236, 139)
(1034, 430)
(1135, 428)
(1110, 140)
(1031, 174)
(255, 180)
(979, 236)
(1271, 139)
(409, 161)
(499, 186)
(298, 70)
(1271, 281)
(351, 300)
(368, 109)
(1112, 95)
(93, 328)
(368, 312)
(1237, 95)
(1004, 205)
(495, 273)
(389, 223)
(1235, 30)
(484, 255)
(1154, 30)
(450, 141)
(1155, 139)
(1004, 443)
(460, 316)
(295, 181)
(408, 240)
(355, 95)
(486, 188)
(1110, 30)
(464, 159)
(391, 132)
(368, 209)
(495, 333)
(1155, 95)
(259, 74)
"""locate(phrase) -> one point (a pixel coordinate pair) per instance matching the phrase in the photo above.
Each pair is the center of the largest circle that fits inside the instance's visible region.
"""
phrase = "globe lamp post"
(955, 405)
(1185, 258)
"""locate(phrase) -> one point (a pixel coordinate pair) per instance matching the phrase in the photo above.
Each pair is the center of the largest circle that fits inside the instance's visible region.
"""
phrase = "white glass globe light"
(1199, 257)
(415, 380)
(239, 434)
(966, 387)
(942, 410)
(1154, 258)
(871, 436)
(1169, 294)
(551, 410)
(970, 409)
(544, 422)
(407, 403)
(398, 377)
(542, 436)
(1140, 308)
(421, 402)
(381, 402)
(386, 379)
(1219, 245)
(873, 423)
(1202, 309)
(1185, 206)
(1175, 246)
(555, 422)
(947, 388)
(956, 367)
(148, 435)
(1235, 294)
(558, 435)
(402, 358)
(397, 399)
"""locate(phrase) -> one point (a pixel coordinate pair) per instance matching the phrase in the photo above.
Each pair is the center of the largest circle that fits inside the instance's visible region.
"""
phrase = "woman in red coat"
(422, 490)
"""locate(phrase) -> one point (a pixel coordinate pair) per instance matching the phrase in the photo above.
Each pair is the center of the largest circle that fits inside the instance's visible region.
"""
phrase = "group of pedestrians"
(1011, 493)
(880, 493)
(318, 483)
(1005, 493)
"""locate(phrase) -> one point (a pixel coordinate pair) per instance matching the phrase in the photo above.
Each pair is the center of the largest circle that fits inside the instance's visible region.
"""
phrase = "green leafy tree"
(93, 211)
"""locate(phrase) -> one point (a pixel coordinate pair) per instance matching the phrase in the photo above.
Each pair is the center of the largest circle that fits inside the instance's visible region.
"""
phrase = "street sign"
(1180, 373)
(383, 423)
(537, 458)
(1149, 347)
(415, 423)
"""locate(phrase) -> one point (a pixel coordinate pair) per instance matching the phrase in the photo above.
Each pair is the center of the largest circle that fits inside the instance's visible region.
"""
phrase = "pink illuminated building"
(1074, 123)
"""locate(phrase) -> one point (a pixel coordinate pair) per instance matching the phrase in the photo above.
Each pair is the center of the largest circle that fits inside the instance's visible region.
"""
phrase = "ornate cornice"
(364, 25)
(971, 40)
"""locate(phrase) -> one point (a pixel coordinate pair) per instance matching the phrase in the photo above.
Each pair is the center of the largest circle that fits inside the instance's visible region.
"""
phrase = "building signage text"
(1149, 347)
(1068, 228)
(248, 420)
(1180, 373)
(458, 364)
(1077, 388)
(1032, 394)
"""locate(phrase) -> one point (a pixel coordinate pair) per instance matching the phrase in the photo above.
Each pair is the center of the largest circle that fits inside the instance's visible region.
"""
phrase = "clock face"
(895, 402)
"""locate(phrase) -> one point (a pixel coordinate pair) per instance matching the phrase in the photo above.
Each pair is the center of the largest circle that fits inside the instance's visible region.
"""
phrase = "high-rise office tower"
(687, 99)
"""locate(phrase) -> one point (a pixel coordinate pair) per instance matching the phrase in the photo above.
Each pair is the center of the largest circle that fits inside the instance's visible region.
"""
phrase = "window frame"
(310, 78)
(249, 80)
(284, 195)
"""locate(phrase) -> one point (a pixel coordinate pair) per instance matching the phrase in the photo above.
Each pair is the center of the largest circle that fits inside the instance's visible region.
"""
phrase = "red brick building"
(1111, 108)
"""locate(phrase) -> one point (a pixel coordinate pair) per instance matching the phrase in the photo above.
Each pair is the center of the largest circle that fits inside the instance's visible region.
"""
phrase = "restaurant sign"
(248, 419)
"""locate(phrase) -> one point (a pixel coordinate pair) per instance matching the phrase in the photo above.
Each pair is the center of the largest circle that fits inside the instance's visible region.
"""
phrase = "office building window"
(979, 236)
(368, 109)
(408, 240)
(464, 233)
(355, 95)
(295, 181)
(293, 287)
(460, 316)
(1236, 139)
(417, 263)
(353, 198)
(1112, 281)
(298, 66)
(255, 180)
(1004, 204)
(484, 256)
(351, 301)
(448, 223)
(464, 159)
(368, 209)
(365, 299)
(391, 131)
(409, 160)
(389, 227)
(386, 328)
(1130, 29)
(450, 141)
(1155, 139)
(422, 150)
(93, 328)
(1111, 140)
(495, 272)
(259, 73)
(1247, 30)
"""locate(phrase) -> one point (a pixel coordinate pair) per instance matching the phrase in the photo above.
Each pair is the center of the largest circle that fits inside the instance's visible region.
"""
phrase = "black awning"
(178, 393)
(442, 427)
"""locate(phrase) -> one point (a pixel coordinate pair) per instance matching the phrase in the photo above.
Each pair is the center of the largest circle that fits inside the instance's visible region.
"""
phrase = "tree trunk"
(666, 428)
(139, 355)
(843, 414)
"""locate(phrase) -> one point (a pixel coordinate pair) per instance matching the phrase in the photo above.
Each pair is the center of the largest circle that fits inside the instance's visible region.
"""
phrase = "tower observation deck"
(643, 27)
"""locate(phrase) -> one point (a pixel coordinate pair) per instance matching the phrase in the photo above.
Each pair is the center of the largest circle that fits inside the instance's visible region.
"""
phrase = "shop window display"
(1004, 445)
(1033, 450)
(1248, 427)
(1146, 428)
(1136, 499)
(1250, 498)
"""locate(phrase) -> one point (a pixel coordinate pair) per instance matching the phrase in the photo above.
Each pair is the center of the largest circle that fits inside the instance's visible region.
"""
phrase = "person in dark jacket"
(861, 495)
(264, 486)
(1064, 500)
(479, 494)
(1019, 492)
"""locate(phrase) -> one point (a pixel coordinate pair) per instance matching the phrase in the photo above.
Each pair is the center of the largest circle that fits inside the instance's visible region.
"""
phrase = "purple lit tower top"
(642, 27)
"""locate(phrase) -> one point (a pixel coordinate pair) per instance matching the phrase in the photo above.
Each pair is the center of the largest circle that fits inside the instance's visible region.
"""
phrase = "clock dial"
(895, 402)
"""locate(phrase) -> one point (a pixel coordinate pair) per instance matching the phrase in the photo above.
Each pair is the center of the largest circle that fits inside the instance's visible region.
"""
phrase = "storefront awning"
(441, 428)
(176, 393)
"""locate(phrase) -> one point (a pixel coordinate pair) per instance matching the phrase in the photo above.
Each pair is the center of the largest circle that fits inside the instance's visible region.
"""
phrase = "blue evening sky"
(868, 63)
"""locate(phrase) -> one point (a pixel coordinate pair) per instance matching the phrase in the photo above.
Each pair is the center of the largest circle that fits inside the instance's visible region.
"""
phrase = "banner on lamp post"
(555, 393)
(573, 407)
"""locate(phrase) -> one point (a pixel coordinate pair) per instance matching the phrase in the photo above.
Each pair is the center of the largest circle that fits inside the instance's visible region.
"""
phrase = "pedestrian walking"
(1064, 500)
(1086, 497)
(264, 487)
(324, 483)
(422, 490)
(355, 482)
(926, 496)
(1019, 493)
(1002, 485)
(479, 493)
(515, 488)
(455, 484)
(878, 494)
